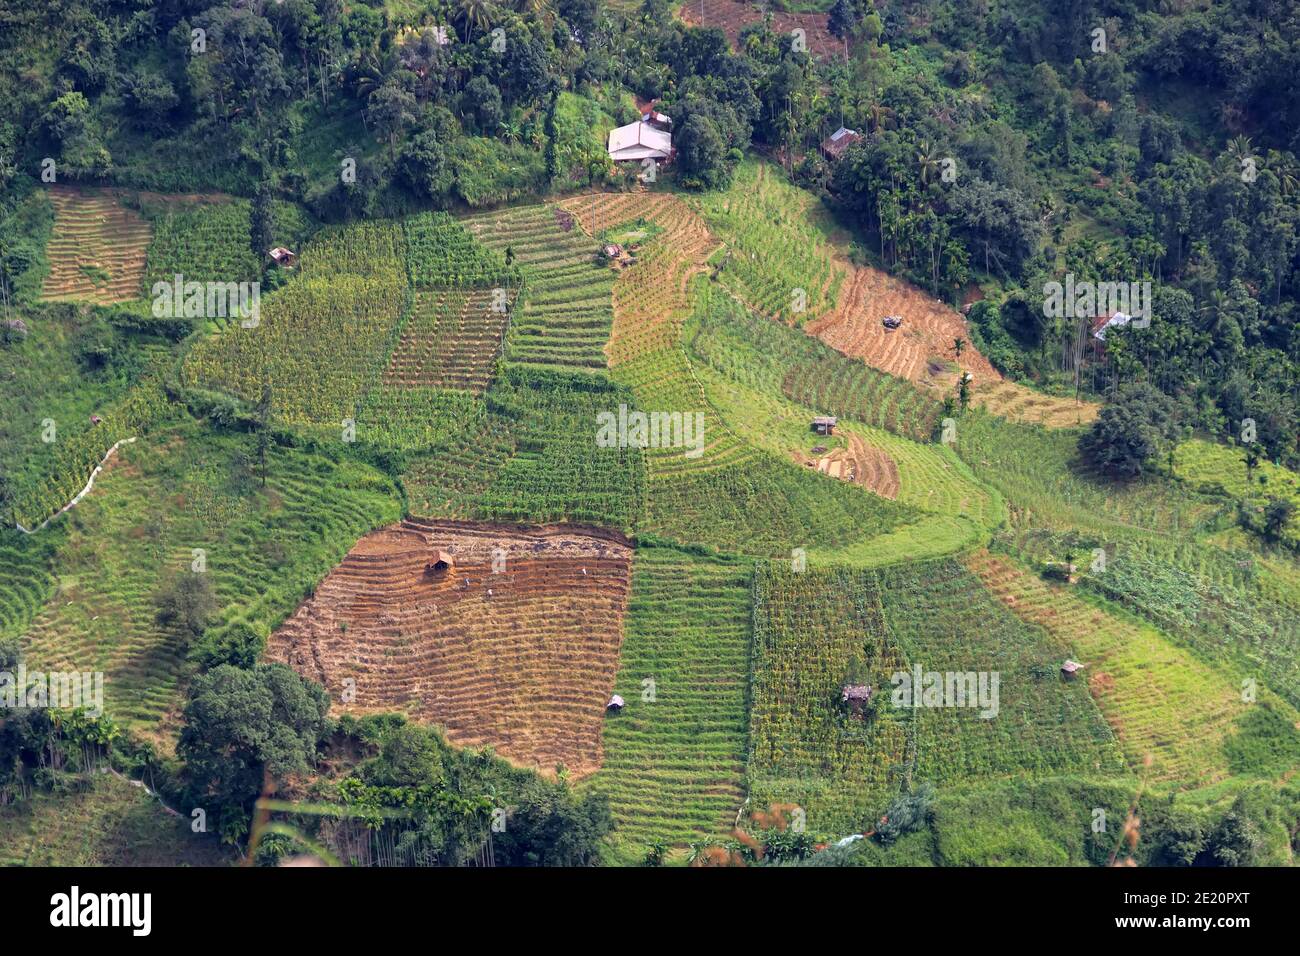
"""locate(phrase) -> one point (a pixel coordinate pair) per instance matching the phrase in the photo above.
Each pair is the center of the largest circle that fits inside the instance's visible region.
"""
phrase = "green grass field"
(674, 757)
(110, 823)
(185, 489)
(1221, 469)
(566, 316)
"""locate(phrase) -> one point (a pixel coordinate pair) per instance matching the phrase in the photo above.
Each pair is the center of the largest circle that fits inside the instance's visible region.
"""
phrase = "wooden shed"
(441, 563)
(1070, 669)
(856, 696)
(283, 257)
(825, 424)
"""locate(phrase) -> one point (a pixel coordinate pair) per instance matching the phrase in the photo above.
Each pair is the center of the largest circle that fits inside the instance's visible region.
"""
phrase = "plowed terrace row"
(514, 646)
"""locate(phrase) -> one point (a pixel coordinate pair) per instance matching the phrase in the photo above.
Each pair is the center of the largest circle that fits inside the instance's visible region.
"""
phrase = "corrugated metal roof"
(639, 140)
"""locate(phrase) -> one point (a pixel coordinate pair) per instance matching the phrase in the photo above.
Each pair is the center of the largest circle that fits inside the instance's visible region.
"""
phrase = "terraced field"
(650, 297)
(945, 620)
(857, 462)
(954, 509)
(778, 249)
(1163, 704)
(811, 629)
(27, 573)
(921, 350)
(770, 358)
(324, 338)
(97, 253)
(735, 495)
(205, 238)
(156, 503)
(451, 339)
(674, 756)
(515, 645)
(566, 316)
(1223, 605)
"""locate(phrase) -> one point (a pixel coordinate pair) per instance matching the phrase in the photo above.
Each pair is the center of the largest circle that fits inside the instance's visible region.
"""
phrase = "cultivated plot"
(506, 636)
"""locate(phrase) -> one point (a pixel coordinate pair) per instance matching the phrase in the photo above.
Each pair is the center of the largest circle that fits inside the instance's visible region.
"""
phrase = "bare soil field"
(921, 350)
(515, 645)
(97, 253)
(1019, 403)
(731, 16)
(860, 464)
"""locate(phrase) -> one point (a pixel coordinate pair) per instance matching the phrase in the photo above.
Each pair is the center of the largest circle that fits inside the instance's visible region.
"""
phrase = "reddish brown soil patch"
(860, 464)
(522, 658)
(928, 331)
(732, 16)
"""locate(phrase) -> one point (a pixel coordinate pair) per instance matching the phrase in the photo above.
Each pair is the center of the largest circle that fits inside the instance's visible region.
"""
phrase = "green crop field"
(1177, 719)
(208, 241)
(804, 747)
(164, 504)
(1220, 605)
(566, 316)
(1039, 472)
(674, 756)
(777, 245)
(775, 359)
(536, 418)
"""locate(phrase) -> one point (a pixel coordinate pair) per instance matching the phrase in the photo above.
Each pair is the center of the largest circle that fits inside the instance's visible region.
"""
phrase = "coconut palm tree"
(879, 116)
(1283, 166)
(541, 9)
(473, 14)
(926, 161)
(372, 69)
(1239, 151)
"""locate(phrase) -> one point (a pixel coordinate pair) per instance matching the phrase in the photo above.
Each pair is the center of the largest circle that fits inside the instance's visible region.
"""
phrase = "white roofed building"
(637, 141)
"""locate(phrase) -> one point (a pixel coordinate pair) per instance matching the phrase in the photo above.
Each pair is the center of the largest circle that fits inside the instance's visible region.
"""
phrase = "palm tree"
(926, 160)
(1284, 168)
(879, 116)
(1239, 151)
(473, 13)
(541, 9)
(786, 128)
(373, 68)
